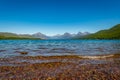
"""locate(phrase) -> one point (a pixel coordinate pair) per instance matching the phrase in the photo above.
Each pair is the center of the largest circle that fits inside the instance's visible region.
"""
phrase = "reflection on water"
(9, 48)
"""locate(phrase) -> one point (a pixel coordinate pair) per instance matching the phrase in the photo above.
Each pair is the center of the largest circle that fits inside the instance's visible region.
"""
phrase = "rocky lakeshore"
(67, 67)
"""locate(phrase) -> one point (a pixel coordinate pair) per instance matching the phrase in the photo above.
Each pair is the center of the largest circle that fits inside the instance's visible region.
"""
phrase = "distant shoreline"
(20, 39)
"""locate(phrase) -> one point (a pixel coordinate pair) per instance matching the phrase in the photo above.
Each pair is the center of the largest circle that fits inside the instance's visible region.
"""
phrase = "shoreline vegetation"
(60, 68)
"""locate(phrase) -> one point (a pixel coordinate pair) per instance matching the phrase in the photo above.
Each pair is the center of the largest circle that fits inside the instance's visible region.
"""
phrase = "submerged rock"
(23, 52)
(2, 50)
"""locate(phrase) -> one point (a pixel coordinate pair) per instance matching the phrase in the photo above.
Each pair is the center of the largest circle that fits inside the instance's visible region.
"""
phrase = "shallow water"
(11, 48)
(46, 59)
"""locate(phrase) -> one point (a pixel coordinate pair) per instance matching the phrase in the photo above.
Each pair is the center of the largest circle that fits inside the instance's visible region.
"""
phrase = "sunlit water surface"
(11, 48)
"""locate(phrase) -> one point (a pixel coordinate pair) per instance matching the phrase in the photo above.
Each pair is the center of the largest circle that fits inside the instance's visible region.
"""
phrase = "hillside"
(112, 33)
(6, 35)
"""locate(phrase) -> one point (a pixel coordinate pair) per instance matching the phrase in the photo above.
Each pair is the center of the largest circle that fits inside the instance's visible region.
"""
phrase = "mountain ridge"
(111, 33)
(67, 35)
(8, 35)
(38, 35)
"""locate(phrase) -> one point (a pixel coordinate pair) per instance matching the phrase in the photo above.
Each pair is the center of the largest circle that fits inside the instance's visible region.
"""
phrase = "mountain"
(66, 36)
(80, 34)
(69, 36)
(55, 37)
(7, 35)
(40, 35)
(112, 33)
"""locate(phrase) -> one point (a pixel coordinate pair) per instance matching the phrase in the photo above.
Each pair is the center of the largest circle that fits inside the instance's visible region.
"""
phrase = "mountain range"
(7, 35)
(58, 36)
(112, 33)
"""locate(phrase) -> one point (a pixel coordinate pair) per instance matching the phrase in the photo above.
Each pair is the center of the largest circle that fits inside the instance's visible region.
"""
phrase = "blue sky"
(58, 16)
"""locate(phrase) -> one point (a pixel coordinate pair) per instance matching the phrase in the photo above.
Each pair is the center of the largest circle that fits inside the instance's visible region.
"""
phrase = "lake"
(60, 59)
(11, 48)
